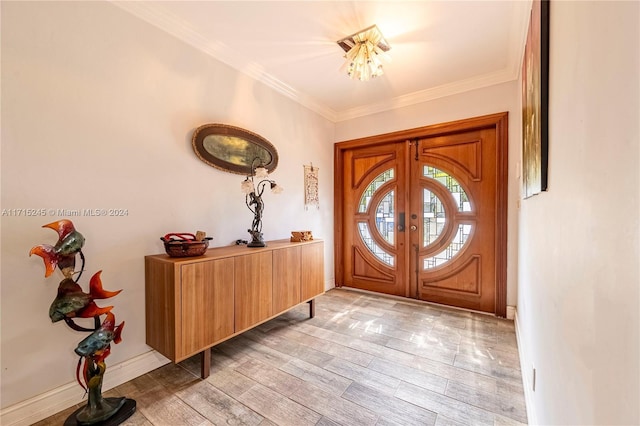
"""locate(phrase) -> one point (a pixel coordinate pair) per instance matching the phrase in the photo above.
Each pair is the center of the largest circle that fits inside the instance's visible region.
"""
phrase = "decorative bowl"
(184, 244)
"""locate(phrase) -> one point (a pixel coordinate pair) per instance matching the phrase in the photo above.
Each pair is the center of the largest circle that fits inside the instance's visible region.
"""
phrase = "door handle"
(413, 227)
(401, 222)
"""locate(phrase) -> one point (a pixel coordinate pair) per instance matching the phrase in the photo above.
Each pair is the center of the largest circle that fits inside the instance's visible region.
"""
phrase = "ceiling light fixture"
(364, 50)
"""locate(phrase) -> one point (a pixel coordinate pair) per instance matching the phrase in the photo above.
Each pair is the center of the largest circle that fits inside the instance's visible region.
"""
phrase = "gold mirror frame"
(233, 149)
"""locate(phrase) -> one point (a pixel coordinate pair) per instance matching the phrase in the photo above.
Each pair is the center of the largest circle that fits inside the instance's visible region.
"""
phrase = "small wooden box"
(298, 236)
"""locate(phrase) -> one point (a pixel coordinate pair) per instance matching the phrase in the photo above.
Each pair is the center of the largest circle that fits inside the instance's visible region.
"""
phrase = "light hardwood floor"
(363, 360)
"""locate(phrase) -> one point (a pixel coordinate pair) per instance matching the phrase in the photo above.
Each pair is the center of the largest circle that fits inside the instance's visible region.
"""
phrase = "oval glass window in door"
(384, 215)
(371, 189)
(459, 240)
(436, 217)
(385, 218)
(452, 185)
(373, 247)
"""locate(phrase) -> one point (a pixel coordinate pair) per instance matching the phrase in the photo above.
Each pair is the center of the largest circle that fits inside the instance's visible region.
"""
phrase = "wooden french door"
(422, 213)
(375, 193)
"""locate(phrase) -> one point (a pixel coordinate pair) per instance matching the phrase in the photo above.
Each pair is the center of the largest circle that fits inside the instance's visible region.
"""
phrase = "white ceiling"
(438, 48)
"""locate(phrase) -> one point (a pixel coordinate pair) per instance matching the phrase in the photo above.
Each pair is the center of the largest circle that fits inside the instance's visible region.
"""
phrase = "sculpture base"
(126, 411)
(256, 239)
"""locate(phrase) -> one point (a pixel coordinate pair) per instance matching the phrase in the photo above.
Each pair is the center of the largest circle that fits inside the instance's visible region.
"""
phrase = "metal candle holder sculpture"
(70, 303)
(253, 198)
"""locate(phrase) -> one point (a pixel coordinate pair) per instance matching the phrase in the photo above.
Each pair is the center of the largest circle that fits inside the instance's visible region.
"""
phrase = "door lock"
(413, 227)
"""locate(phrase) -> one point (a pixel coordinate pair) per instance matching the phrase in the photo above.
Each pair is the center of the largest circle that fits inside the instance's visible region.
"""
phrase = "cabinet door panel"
(312, 261)
(286, 278)
(253, 289)
(207, 311)
(162, 326)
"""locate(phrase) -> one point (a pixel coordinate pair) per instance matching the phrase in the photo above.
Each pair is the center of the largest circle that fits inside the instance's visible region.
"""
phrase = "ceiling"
(438, 48)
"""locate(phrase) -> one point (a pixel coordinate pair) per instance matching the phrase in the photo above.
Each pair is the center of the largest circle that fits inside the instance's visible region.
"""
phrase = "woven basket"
(184, 245)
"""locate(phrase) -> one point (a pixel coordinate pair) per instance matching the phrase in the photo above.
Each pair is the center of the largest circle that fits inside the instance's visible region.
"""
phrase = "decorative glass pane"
(433, 217)
(380, 180)
(459, 194)
(385, 218)
(464, 230)
(377, 251)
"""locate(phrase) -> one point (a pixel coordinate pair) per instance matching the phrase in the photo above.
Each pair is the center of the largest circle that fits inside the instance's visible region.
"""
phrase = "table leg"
(205, 358)
(312, 308)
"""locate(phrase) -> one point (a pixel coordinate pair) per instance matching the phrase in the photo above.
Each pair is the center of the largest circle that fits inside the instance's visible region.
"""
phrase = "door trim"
(499, 122)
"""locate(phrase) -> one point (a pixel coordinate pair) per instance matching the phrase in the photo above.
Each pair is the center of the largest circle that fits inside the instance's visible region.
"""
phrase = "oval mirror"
(233, 149)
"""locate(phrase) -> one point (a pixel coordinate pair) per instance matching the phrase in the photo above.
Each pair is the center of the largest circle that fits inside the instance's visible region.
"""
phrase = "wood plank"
(388, 407)
(257, 351)
(324, 379)
(507, 403)
(350, 327)
(326, 422)
(489, 367)
(409, 374)
(173, 377)
(441, 404)
(359, 344)
(290, 348)
(218, 407)
(328, 347)
(231, 382)
(278, 408)
(365, 376)
(165, 408)
(269, 376)
(425, 349)
(476, 380)
(332, 406)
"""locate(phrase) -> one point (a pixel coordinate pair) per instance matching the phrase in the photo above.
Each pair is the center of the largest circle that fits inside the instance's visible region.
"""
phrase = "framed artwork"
(233, 149)
(311, 197)
(535, 101)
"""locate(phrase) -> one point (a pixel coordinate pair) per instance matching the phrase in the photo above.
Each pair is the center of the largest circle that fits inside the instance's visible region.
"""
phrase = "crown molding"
(430, 94)
(171, 24)
(511, 72)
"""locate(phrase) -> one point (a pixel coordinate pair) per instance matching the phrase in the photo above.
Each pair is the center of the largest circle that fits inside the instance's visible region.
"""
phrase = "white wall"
(498, 98)
(98, 110)
(578, 298)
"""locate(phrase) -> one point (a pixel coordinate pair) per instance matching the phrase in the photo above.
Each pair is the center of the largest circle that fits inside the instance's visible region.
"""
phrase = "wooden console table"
(194, 303)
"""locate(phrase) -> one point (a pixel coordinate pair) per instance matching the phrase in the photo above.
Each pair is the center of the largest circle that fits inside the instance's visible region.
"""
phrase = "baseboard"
(525, 368)
(329, 284)
(49, 403)
(511, 313)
